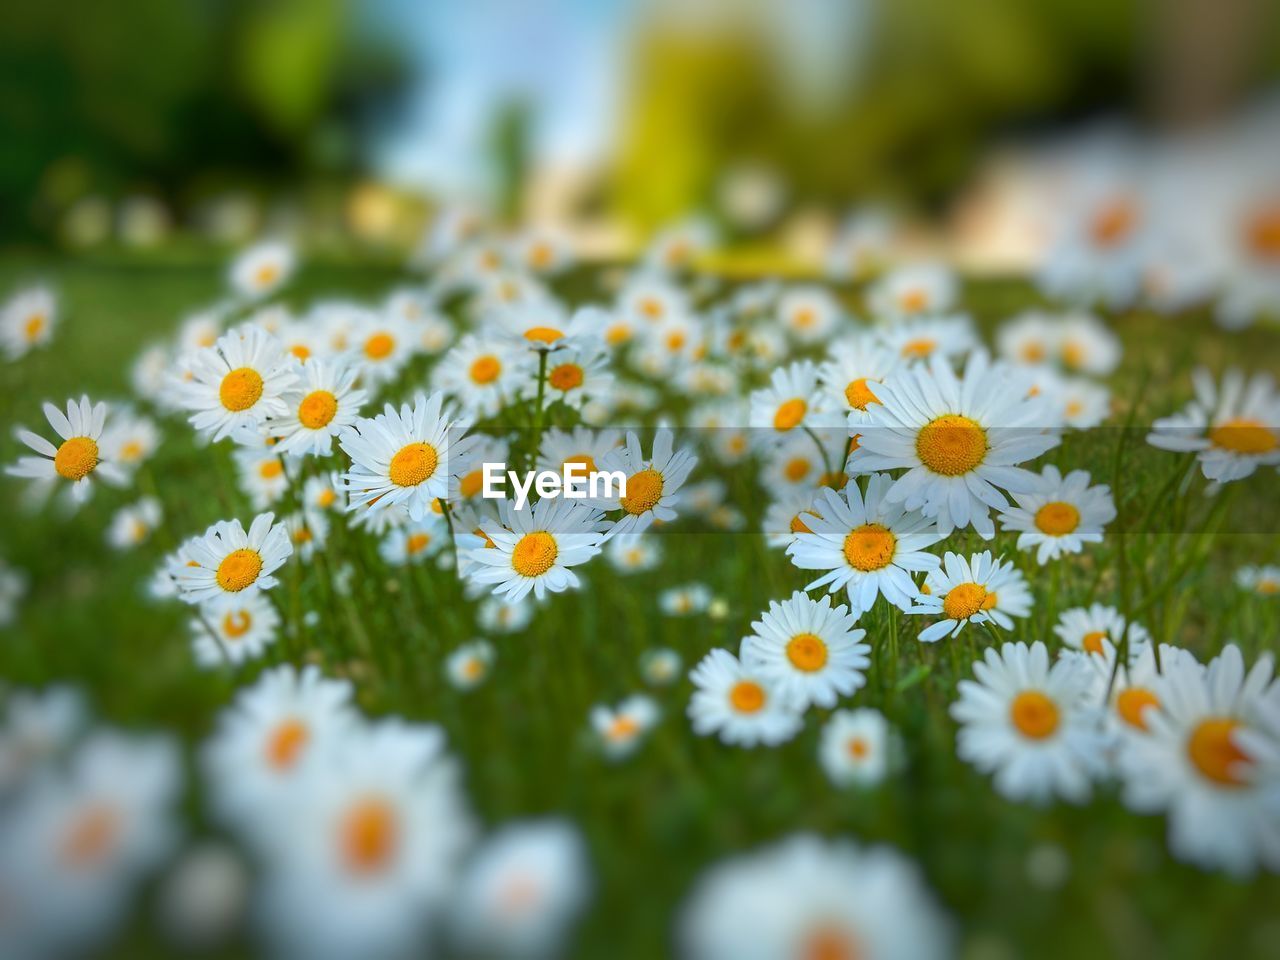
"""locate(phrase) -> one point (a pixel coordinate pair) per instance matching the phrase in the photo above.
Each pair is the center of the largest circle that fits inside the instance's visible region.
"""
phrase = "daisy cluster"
(899, 477)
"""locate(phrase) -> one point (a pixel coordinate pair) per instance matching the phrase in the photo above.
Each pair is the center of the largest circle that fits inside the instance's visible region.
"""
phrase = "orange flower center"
(379, 346)
(964, 600)
(239, 569)
(534, 554)
(90, 836)
(485, 369)
(1034, 715)
(747, 696)
(285, 744)
(789, 414)
(1262, 233)
(413, 464)
(543, 334)
(240, 389)
(76, 458)
(1214, 752)
(1092, 642)
(565, 377)
(951, 445)
(1057, 519)
(858, 394)
(369, 833)
(870, 547)
(317, 409)
(807, 652)
(1113, 223)
(644, 490)
(1133, 702)
(1244, 435)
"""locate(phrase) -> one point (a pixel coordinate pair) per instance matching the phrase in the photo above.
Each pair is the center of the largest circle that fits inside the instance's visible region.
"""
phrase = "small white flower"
(739, 703)
(1059, 514)
(857, 747)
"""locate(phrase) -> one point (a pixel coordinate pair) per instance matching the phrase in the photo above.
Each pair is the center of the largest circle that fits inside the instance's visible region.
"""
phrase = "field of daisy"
(935, 620)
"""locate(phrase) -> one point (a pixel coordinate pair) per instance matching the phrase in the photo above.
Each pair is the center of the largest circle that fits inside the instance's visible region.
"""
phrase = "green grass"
(654, 822)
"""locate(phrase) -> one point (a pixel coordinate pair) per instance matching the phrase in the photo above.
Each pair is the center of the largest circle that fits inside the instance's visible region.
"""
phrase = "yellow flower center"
(807, 652)
(239, 569)
(534, 554)
(835, 480)
(1034, 714)
(858, 748)
(1032, 351)
(266, 275)
(644, 490)
(565, 377)
(1113, 222)
(131, 451)
(76, 458)
(796, 469)
(798, 525)
(804, 318)
(1214, 753)
(240, 389)
(746, 696)
(1092, 642)
(471, 484)
(379, 346)
(1263, 233)
(285, 744)
(622, 728)
(858, 394)
(237, 622)
(326, 497)
(651, 307)
(1057, 519)
(90, 835)
(789, 414)
(317, 409)
(913, 300)
(34, 326)
(870, 547)
(584, 460)
(368, 835)
(270, 469)
(485, 369)
(918, 348)
(951, 445)
(617, 334)
(1244, 435)
(964, 600)
(413, 464)
(301, 351)
(830, 943)
(1132, 702)
(543, 334)
(416, 543)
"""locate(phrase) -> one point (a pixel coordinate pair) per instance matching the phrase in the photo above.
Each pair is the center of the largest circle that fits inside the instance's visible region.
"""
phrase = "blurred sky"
(570, 60)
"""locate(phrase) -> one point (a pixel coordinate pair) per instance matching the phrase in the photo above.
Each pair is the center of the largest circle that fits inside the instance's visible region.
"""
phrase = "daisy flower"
(660, 666)
(810, 897)
(740, 703)
(867, 544)
(581, 446)
(946, 337)
(239, 380)
(791, 400)
(544, 325)
(254, 760)
(534, 548)
(574, 374)
(321, 405)
(522, 891)
(857, 747)
(241, 631)
(620, 729)
(498, 615)
(686, 600)
(130, 439)
(1209, 757)
(632, 553)
(82, 839)
(262, 475)
(809, 313)
(78, 459)
(323, 493)
(1029, 725)
(800, 463)
(784, 518)
(651, 484)
(308, 532)
(413, 542)
(27, 321)
(1082, 403)
(651, 300)
(1031, 338)
(381, 346)
(1089, 628)
(401, 457)
(225, 566)
(1060, 514)
(676, 247)
(543, 251)
(1232, 431)
(811, 652)
(133, 525)
(1262, 580)
(262, 269)
(850, 376)
(916, 290)
(1128, 691)
(364, 859)
(976, 590)
(1086, 345)
(483, 375)
(468, 666)
(959, 438)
